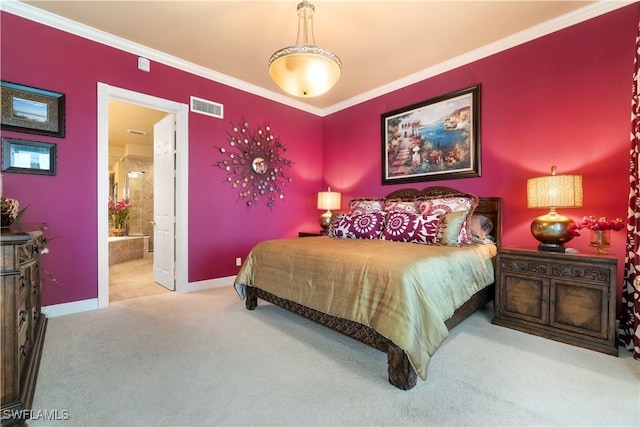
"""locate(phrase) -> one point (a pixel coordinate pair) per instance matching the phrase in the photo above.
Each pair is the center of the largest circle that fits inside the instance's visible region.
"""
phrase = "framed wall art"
(22, 156)
(433, 140)
(32, 110)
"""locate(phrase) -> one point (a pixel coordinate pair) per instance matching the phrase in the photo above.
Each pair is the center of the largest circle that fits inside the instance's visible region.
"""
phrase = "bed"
(398, 297)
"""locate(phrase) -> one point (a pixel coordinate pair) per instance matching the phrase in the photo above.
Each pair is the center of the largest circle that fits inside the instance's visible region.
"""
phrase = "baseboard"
(203, 285)
(92, 304)
(70, 307)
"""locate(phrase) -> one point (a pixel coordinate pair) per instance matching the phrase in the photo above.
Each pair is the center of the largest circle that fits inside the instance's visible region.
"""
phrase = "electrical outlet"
(238, 262)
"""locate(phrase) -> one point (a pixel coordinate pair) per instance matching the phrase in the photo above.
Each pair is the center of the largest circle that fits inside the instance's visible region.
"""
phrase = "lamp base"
(550, 247)
(325, 220)
(552, 231)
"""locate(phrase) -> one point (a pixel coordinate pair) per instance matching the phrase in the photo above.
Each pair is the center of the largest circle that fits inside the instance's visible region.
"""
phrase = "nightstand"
(311, 233)
(565, 297)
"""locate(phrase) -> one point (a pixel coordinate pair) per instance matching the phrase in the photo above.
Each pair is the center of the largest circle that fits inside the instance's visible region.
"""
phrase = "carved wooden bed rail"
(401, 374)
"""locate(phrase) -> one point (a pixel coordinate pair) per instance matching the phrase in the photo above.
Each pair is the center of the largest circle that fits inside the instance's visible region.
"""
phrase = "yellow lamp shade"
(557, 191)
(552, 230)
(328, 200)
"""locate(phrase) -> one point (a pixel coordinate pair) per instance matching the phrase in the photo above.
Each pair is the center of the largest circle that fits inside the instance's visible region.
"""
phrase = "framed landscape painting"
(33, 157)
(433, 140)
(32, 110)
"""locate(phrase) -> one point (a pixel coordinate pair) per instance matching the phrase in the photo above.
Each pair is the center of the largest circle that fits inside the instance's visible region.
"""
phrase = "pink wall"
(562, 100)
(220, 227)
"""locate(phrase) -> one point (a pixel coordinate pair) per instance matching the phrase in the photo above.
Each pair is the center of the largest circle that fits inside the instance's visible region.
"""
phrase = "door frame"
(181, 111)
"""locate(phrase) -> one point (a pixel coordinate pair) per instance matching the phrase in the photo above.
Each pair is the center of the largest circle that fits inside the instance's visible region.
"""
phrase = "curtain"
(629, 334)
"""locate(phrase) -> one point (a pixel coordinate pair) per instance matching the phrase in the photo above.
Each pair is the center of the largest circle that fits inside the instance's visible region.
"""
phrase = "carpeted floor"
(202, 359)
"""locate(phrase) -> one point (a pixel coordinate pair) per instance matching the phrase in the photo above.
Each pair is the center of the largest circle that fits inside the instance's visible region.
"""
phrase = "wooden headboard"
(491, 207)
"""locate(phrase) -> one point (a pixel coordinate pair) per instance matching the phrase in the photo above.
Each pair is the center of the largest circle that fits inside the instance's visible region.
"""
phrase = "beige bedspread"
(405, 291)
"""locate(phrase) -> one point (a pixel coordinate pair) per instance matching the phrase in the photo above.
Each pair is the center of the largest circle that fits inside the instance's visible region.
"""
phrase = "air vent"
(208, 108)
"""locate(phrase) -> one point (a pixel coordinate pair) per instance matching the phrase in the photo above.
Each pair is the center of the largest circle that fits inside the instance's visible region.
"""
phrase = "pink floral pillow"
(365, 206)
(355, 226)
(401, 205)
(411, 227)
(451, 203)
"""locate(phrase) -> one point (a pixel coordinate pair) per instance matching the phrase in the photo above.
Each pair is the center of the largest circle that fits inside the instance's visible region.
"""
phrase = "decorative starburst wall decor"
(255, 164)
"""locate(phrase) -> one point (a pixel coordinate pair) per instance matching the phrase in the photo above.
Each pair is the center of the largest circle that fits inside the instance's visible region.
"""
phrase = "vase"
(117, 232)
(600, 240)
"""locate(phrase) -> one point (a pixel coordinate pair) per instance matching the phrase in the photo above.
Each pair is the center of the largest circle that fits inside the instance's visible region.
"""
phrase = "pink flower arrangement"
(592, 223)
(119, 213)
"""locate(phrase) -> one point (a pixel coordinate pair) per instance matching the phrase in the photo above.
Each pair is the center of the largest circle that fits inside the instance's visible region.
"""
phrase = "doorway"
(132, 176)
(106, 94)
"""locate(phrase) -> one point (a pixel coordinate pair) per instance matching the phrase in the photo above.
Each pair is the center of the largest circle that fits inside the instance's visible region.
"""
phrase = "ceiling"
(380, 43)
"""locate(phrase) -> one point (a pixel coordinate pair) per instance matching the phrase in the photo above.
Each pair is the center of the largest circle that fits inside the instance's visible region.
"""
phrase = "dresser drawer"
(23, 286)
(23, 317)
(24, 346)
(585, 272)
(23, 325)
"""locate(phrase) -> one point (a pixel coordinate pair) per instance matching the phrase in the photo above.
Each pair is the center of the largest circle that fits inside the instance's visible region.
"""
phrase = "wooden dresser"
(561, 296)
(23, 324)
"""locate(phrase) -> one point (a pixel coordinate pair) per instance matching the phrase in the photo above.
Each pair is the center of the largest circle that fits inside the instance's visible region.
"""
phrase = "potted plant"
(119, 216)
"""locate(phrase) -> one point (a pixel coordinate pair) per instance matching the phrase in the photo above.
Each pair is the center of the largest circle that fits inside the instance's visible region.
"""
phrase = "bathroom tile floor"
(133, 279)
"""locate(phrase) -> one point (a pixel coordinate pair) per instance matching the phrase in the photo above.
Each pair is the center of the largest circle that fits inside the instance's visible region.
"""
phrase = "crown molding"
(559, 23)
(540, 30)
(72, 27)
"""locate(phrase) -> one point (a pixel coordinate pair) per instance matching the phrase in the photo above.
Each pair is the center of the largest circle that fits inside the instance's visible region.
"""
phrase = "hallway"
(133, 279)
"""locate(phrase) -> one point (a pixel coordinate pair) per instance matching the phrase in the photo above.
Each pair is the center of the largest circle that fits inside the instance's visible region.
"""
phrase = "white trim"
(70, 307)
(47, 18)
(537, 31)
(204, 285)
(182, 198)
(92, 304)
(106, 92)
(38, 15)
(103, 194)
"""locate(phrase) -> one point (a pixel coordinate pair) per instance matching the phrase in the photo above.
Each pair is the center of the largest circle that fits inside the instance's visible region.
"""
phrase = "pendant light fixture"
(305, 70)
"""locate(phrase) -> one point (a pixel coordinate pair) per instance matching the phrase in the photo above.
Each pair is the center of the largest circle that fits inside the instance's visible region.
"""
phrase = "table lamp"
(328, 200)
(553, 191)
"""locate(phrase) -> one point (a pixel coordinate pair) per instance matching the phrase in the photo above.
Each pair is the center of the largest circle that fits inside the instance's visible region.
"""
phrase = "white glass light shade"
(304, 69)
